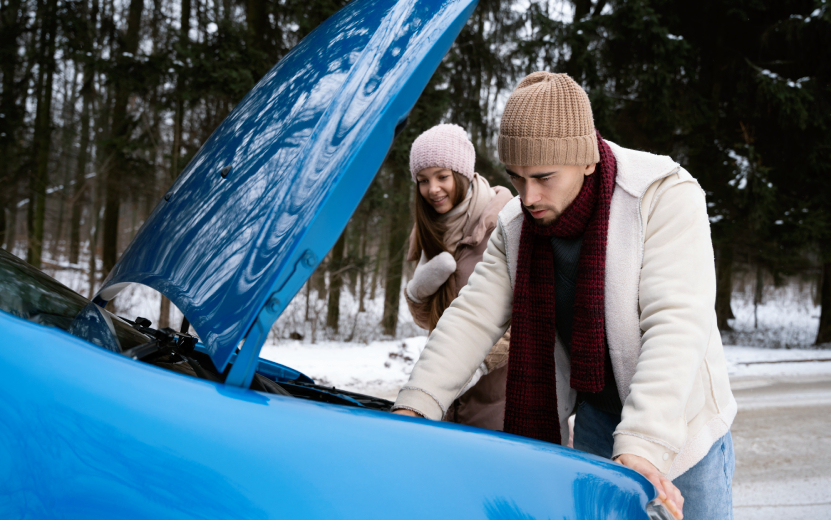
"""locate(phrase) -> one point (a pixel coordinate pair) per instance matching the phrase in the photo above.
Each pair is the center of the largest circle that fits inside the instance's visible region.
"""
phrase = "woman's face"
(436, 185)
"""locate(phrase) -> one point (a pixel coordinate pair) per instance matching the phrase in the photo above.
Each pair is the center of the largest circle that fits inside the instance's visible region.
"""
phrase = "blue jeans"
(707, 487)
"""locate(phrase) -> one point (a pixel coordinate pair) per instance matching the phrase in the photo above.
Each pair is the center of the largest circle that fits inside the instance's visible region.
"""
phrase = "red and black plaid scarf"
(531, 396)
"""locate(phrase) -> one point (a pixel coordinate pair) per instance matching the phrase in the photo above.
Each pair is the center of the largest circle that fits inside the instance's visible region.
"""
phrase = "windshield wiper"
(180, 342)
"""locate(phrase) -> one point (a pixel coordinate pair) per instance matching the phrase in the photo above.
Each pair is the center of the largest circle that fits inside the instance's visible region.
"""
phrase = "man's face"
(546, 191)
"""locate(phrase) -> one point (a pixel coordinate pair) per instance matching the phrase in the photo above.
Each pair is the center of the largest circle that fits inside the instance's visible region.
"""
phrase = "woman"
(455, 213)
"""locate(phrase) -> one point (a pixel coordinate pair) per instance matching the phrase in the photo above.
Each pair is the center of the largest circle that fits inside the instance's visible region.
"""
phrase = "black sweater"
(566, 259)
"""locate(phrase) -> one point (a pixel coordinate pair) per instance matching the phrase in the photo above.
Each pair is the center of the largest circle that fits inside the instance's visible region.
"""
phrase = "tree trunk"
(363, 284)
(318, 279)
(118, 140)
(376, 269)
(42, 141)
(724, 287)
(164, 312)
(335, 283)
(67, 138)
(308, 296)
(396, 247)
(824, 332)
(3, 228)
(256, 15)
(184, 27)
(79, 188)
(79, 192)
(112, 209)
(11, 27)
(179, 117)
(757, 294)
(11, 223)
(352, 259)
(102, 109)
(94, 227)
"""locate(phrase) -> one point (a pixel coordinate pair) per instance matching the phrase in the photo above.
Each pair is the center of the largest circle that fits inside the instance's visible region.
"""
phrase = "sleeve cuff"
(659, 453)
(420, 401)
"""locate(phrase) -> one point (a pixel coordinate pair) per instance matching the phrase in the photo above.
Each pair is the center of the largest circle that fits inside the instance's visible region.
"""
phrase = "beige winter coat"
(483, 405)
(660, 319)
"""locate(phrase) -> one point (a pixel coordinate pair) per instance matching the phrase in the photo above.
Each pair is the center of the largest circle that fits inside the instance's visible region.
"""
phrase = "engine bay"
(30, 294)
(179, 352)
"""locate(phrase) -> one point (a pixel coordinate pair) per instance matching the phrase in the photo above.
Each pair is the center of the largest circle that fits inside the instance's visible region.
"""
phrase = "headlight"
(657, 511)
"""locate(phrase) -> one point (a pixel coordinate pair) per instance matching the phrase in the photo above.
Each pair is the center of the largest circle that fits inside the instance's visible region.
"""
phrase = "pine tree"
(740, 99)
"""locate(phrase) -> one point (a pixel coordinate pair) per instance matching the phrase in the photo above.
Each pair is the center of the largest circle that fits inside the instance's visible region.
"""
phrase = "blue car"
(108, 417)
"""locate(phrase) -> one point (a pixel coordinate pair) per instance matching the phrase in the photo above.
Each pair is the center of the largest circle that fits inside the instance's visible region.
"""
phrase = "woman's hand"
(430, 275)
(667, 492)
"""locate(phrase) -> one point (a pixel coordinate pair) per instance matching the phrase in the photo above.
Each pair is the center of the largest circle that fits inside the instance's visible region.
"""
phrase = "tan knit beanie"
(548, 120)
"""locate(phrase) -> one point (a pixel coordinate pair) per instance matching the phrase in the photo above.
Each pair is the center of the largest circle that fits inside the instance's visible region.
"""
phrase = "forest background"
(104, 102)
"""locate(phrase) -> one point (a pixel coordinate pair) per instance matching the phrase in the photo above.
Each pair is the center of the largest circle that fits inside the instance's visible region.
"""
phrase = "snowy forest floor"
(382, 367)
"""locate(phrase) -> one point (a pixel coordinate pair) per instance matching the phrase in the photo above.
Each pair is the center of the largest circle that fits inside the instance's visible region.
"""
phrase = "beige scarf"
(461, 220)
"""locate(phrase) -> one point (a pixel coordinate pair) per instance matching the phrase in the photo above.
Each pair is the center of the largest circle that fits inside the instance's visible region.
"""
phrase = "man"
(603, 266)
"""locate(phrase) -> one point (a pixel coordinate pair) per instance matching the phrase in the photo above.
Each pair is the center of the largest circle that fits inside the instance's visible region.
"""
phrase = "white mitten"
(430, 275)
(481, 371)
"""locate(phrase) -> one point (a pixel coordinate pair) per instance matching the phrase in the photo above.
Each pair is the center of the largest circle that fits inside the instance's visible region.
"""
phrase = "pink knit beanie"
(445, 146)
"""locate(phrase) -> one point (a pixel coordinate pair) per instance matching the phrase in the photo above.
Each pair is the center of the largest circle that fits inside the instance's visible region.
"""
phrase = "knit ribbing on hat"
(547, 120)
(444, 146)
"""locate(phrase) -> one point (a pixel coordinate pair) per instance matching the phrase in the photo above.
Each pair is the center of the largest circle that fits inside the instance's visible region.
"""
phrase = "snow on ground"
(382, 367)
(760, 362)
(786, 318)
(353, 326)
(379, 368)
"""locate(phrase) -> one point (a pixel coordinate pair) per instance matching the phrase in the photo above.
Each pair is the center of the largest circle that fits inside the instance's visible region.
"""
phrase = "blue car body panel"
(88, 433)
(302, 147)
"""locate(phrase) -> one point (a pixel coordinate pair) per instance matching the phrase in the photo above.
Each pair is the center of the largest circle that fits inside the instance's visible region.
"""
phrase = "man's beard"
(548, 219)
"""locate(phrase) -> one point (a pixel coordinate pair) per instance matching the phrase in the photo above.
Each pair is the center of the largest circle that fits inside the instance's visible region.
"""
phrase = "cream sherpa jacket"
(660, 319)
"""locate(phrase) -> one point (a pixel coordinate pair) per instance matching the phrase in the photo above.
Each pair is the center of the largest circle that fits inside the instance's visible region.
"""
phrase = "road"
(782, 438)
(782, 433)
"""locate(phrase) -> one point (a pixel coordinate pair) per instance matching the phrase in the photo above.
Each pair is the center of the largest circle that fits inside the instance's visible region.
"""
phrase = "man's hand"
(667, 492)
(408, 413)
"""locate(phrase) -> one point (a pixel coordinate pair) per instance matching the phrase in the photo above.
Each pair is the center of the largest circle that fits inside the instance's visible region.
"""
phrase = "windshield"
(32, 295)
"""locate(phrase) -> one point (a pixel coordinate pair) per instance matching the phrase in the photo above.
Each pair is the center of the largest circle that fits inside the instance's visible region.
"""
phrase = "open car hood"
(269, 193)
